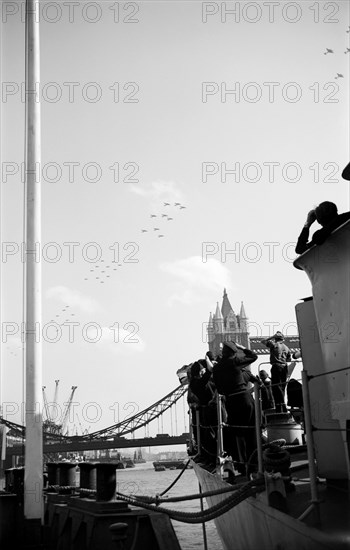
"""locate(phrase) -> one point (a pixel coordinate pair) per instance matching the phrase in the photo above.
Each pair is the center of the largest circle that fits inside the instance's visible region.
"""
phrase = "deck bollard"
(106, 481)
(87, 478)
(52, 472)
(119, 534)
(66, 477)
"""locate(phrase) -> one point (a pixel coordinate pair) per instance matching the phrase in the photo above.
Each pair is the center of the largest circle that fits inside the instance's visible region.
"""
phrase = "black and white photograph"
(174, 275)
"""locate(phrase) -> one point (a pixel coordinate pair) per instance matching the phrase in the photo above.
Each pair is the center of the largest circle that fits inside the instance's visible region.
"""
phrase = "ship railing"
(308, 429)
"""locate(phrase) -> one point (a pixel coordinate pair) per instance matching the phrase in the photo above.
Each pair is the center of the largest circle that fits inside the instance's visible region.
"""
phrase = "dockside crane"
(46, 405)
(55, 395)
(66, 411)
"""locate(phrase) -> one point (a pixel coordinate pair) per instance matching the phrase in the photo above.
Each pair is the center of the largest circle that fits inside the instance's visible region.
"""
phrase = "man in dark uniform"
(280, 355)
(327, 215)
(202, 386)
(231, 380)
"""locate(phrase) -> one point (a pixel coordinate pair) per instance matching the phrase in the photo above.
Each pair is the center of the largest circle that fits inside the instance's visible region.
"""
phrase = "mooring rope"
(248, 489)
(176, 479)
(193, 496)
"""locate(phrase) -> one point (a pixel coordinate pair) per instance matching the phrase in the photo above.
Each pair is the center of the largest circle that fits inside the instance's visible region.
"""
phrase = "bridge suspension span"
(129, 425)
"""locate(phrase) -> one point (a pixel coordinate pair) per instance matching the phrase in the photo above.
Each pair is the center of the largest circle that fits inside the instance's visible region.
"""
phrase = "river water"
(144, 480)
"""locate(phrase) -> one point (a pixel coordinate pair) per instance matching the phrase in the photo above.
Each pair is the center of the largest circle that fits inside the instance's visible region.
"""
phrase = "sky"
(235, 111)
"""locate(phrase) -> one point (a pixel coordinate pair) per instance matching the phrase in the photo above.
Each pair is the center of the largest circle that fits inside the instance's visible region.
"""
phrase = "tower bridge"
(112, 437)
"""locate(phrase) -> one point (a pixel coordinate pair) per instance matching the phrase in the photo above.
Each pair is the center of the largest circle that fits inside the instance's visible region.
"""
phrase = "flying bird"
(347, 50)
(177, 204)
(164, 215)
(153, 216)
(339, 76)
(181, 207)
(167, 204)
(160, 235)
(169, 219)
(143, 231)
(155, 228)
(328, 51)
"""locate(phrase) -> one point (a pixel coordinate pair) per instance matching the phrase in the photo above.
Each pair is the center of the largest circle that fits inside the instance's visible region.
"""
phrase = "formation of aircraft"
(164, 216)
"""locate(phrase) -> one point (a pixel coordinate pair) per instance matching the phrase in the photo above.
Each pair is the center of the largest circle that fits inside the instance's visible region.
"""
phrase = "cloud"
(122, 341)
(73, 298)
(159, 192)
(196, 278)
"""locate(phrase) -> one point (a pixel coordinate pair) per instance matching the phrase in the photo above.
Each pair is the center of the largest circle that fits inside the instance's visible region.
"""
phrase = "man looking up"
(327, 215)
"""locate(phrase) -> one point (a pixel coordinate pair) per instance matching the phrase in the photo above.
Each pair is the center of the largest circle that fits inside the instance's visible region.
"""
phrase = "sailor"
(202, 386)
(267, 400)
(326, 214)
(193, 404)
(231, 380)
(280, 355)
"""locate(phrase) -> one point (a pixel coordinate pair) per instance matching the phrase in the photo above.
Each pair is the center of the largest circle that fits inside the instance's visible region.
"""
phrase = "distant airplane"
(167, 204)
(181, 207)
(347, 50)
(160, 235)
(328, 51)
(156, 229)
(177, 204)
(143, 231)
(339, 76)
(153, 216)
(169, 219)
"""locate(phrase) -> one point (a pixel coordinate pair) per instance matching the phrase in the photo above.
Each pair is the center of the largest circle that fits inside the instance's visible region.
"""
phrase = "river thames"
(144, 480)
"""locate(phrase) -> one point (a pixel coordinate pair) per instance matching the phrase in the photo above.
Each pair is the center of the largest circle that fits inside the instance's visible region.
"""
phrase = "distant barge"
(161, 465)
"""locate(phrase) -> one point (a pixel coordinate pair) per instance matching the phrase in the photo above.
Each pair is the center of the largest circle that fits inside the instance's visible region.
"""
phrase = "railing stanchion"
(310, 440)
(258, 427)
(198, 431)
(220, 441)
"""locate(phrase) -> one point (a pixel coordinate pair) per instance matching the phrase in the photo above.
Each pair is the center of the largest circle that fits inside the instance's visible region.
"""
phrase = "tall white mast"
(33, 479)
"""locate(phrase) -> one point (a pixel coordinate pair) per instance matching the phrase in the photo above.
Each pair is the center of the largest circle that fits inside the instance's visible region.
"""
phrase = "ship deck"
(333, 506)
(329, 528)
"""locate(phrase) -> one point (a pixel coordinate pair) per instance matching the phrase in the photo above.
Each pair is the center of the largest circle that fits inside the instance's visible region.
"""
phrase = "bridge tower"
(225, 325)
